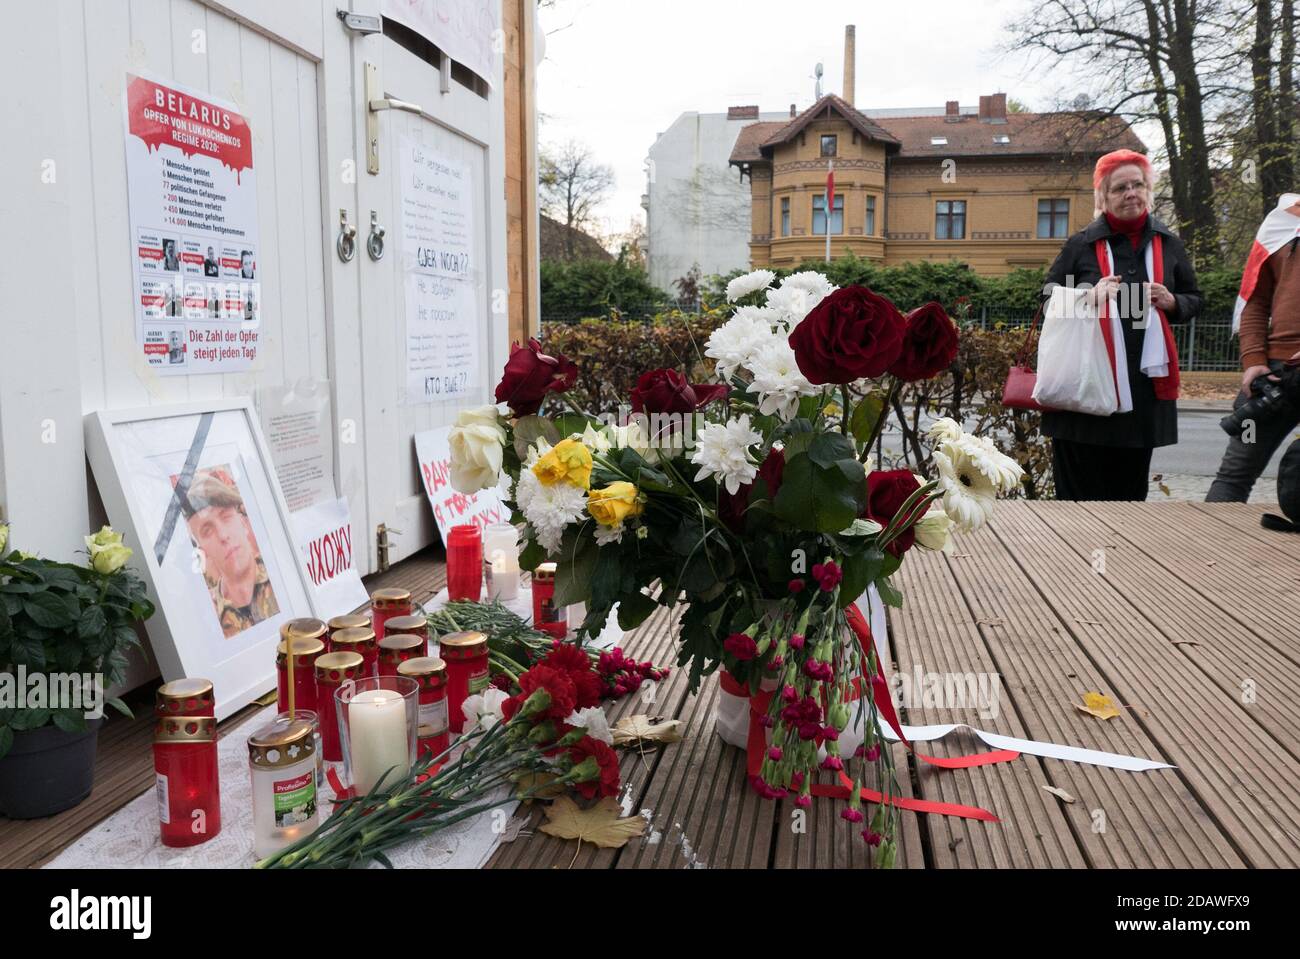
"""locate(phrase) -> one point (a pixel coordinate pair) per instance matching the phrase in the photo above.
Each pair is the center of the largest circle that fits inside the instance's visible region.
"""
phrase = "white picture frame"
(193, 550)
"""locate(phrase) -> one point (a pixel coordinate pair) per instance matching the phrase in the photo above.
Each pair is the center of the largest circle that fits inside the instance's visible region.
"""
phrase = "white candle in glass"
(377, 737)
(505, 576)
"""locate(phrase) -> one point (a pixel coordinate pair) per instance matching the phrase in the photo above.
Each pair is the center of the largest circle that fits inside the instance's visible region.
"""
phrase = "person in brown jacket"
(1270, 337)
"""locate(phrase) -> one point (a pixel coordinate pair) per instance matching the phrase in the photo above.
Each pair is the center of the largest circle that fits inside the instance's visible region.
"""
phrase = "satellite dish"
(818, 74)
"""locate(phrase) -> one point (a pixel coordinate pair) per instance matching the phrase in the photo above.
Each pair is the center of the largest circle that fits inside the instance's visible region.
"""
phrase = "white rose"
(934, 530)
(476, 442)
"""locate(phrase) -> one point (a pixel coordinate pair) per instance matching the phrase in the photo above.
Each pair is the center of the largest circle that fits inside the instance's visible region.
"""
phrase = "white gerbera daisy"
(734, 342)
(1002, 470)
(749, 283)
(944, 430)
(777, 379)
(548, 509)
(968, 494)
(722, 451)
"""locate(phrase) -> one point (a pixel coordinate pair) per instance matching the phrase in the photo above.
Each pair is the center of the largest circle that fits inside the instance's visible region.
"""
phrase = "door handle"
(377, 103)
(346, 244)
(375, 242)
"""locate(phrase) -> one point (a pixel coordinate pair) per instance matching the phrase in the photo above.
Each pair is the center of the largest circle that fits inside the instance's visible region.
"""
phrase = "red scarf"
(1130, 228)
(1166, 386)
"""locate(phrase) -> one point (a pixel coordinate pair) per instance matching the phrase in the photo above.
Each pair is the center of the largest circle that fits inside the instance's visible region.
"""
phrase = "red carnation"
(556, 682)
(887, 491)
(851, 334)
(929, 344)
(666, 391)
(576, 664)
(530, 374)
(606, 759)
(741, 646)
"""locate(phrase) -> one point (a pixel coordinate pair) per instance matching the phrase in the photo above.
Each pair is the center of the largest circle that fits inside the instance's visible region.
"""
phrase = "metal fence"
(1204, 343)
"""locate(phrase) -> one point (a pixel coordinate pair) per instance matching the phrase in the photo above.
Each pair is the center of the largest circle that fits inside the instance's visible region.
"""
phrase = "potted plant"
(64, 633)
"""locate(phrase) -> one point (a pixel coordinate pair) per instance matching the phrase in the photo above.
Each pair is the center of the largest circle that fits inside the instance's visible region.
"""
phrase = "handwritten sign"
(451, 508)
(324, 536)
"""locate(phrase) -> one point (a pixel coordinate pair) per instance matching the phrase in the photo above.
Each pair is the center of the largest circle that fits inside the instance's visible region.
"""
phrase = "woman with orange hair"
(1138, 272)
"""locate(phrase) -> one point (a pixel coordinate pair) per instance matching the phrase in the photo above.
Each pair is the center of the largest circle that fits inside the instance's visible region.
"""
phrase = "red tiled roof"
(752, 136)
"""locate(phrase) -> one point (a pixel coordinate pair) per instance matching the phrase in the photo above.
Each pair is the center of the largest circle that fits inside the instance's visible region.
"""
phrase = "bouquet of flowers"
(748, 500)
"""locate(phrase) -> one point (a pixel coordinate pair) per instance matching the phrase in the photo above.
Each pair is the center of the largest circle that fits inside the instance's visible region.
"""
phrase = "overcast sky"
(618, 72)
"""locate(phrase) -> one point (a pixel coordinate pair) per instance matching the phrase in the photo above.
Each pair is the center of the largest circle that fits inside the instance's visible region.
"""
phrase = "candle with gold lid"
(282, 764)
(350, 621)
(397, 648)
(387, 603)
(359, 640)
(548, 617)
(185, 697)
(296, 679)
(413, 625)
(186, 779)
(466, 656)
(431, 673)
(332, 671)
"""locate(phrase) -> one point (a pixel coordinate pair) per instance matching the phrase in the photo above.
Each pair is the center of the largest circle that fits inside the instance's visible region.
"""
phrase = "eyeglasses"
(1119, 189)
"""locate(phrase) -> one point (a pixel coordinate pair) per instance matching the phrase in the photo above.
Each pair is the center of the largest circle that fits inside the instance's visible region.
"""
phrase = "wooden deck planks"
(1224, 759)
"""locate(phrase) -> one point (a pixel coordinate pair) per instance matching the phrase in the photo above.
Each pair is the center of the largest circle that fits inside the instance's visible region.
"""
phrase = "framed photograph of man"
(194, 489)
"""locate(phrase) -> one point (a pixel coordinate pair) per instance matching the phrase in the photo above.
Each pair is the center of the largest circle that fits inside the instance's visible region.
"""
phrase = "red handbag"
(1018, 391)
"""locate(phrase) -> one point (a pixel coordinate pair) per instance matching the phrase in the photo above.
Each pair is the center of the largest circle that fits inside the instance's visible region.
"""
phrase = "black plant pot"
(47, 771)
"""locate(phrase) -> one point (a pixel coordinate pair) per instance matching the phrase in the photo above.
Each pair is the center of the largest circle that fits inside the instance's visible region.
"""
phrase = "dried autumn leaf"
(1099, 705)
(538, 782)
(646, 729)
(1060, 794)
(600, 824)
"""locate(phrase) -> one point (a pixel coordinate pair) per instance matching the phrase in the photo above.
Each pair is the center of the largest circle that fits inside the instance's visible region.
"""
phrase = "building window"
(1053, 219)
(829, 141)
(819, 215)
(950, 220)
(785, 216)
(871, 216)
(938, 141)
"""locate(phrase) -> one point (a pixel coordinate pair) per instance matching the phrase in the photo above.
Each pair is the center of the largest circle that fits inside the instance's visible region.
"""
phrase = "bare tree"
(1273, 101)
(573, 184)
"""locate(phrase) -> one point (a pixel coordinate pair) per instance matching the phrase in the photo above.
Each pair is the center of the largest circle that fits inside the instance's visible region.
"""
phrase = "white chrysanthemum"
(594, 721)
(734, 342)
(1004, 472)
(968, 494)
(761, 314)
(791, 304)
(548, 509)
(722, 451)
(608, 534)
(749, 283)
(934, 530)
(944, 430)
(815, 283)
(777, 379)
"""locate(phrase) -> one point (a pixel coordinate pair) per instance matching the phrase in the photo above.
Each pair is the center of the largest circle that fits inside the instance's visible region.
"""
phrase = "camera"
(1268, 400)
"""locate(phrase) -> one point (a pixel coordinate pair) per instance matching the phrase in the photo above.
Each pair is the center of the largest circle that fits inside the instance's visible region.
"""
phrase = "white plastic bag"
(1074, 370)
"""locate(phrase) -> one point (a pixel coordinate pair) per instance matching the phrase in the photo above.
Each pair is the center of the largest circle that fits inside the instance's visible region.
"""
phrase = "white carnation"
(777, 379)
(733, 343)
(594, 721)
(723, 451)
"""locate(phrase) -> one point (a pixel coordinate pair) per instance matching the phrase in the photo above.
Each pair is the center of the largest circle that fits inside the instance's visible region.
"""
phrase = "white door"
(432, 317)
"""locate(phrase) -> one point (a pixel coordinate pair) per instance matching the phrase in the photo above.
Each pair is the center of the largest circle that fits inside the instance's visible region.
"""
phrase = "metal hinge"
(360, 23)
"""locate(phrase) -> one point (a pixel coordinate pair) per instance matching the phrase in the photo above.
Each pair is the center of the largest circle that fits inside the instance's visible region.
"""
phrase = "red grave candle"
(185, 697)
(185, 776)
(431, 673)
(414, 625)
(360, 640)
(397, 648)
(464, 563)
(307, 638)
(546, 615)
(387, 603)
(332, 671)
(466, 656)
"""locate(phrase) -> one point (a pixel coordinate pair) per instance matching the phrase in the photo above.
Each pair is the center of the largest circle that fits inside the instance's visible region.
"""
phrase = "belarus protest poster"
(193, 202)
(451, 508)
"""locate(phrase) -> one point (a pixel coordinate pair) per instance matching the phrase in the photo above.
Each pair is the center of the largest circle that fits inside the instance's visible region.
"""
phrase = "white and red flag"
(1278, 229)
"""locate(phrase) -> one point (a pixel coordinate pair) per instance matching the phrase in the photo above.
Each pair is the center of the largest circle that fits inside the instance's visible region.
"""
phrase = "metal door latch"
(375, 242)
(376, 103)
(347, 242)
(382, 544)
(360, 23)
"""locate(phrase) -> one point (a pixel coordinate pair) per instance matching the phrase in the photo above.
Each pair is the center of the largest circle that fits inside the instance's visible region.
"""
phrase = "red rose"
(556, 682)
(666, 391)
(929, 344)
(850, 335)
(576, 665)
(606, 759)
(530, 374)
(741, 646)
(887, 491)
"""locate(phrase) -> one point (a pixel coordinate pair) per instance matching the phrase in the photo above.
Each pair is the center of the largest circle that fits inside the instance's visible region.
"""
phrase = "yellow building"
(995, 190)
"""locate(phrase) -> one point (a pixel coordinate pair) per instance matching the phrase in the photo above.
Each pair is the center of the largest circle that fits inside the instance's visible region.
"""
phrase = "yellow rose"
(105, 537)
(4, 537)
(109, 559)
(613, 504)
(569, 462)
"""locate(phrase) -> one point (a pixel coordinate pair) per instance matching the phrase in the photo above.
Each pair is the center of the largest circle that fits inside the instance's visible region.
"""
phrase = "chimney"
(850, 62)
(742, 113)
(952, 111)
(984, 109)
(793, 112)
(993, 108)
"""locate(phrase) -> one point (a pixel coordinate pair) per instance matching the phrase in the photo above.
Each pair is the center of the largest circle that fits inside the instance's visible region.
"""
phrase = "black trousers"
(1087, 471)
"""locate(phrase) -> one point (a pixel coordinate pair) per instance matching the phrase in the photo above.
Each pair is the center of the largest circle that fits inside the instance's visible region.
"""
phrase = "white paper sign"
(296, 421)
(192, 195)
(451, 508)
(466, 29)
(324, 536)
(443, 318)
